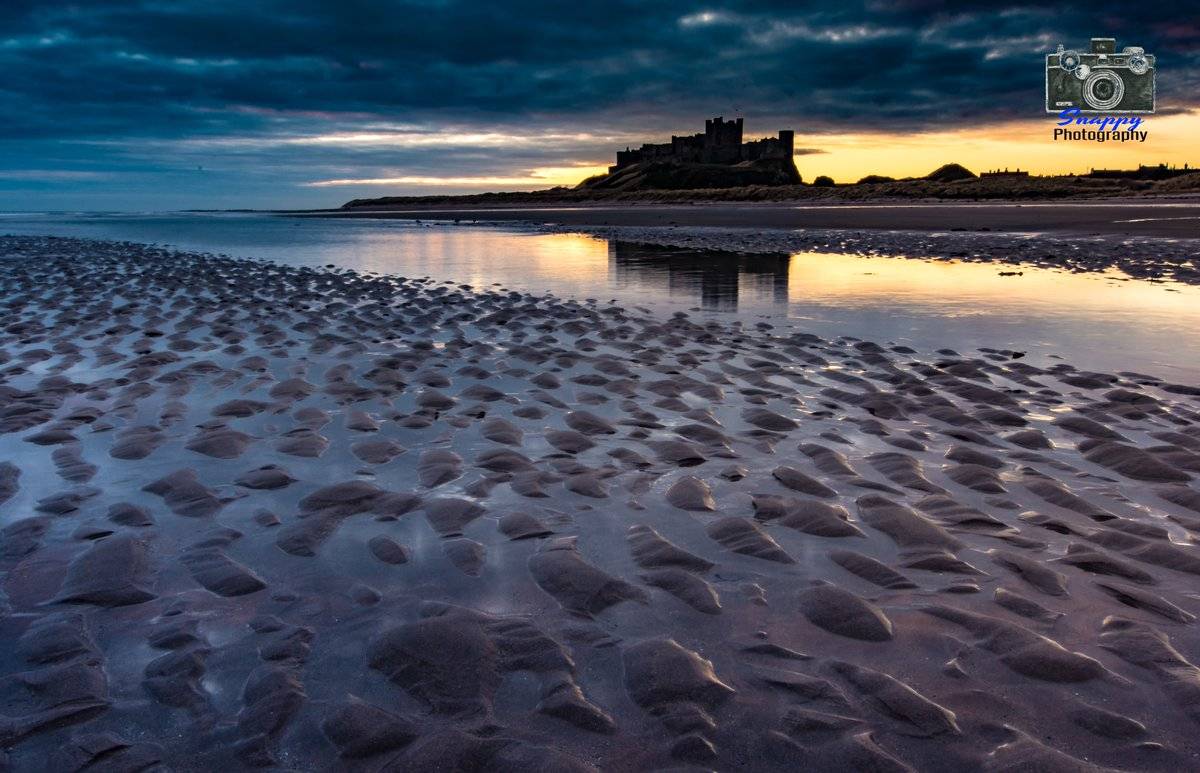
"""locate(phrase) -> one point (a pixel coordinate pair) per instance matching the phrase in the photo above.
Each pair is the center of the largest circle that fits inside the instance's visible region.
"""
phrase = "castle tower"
(787, 138)
(718, 132)
(722, 141)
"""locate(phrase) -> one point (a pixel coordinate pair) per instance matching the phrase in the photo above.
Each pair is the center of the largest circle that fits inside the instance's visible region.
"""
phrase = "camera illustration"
(1101, 80)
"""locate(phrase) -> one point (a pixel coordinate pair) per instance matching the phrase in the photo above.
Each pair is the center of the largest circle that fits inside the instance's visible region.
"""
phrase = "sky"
(174, 104)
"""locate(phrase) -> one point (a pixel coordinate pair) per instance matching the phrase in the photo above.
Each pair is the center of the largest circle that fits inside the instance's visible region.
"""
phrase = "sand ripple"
(264, 516)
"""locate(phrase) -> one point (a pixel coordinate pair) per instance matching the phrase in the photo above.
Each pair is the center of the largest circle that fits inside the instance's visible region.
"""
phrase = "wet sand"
(272, 516)
(1126, 217)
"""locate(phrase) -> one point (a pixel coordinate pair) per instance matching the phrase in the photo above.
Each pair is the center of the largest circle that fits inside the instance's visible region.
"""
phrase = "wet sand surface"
(1130, 217)
(255, 515)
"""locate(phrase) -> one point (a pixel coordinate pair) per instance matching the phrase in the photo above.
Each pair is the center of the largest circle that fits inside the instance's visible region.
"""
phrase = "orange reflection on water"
(970, 288)
(484, 257)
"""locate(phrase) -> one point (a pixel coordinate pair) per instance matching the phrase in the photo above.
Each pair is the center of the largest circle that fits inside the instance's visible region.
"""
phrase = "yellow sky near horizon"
(1170, 139)
(848, 157)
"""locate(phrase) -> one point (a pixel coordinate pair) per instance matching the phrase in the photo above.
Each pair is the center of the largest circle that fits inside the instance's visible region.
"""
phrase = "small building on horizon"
(1143, 172)
(1016, 173)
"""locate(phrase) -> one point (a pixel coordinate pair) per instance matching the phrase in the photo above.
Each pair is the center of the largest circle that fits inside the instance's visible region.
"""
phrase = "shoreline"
(1148, 259)
(1151, 242)
(1125, 217)
(255, 513)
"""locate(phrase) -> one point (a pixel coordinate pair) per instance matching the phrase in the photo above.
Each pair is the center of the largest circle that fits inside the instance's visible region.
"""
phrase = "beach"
(1148, 240)
(295, 517)
(1161, 217)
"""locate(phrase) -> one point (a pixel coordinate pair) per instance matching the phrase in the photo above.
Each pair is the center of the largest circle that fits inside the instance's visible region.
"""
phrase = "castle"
(721, 143)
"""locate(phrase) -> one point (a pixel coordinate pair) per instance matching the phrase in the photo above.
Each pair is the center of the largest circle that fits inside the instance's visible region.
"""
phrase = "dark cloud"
(153, 81)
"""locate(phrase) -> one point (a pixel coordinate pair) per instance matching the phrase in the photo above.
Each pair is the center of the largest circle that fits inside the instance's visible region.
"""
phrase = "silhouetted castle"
(721, 143)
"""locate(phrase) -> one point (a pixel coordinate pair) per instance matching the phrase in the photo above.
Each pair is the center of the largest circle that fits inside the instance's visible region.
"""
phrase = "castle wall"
(721, 143)
(769, 147)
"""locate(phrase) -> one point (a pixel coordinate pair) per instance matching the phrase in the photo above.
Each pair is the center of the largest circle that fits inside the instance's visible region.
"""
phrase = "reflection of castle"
(721, 143)
(717, 279)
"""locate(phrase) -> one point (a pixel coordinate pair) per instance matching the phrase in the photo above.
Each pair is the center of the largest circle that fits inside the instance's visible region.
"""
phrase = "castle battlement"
(720, 143)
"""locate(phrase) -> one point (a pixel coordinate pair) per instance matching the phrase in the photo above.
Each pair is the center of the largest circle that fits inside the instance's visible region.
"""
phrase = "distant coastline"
(937, 186)
(717, 165)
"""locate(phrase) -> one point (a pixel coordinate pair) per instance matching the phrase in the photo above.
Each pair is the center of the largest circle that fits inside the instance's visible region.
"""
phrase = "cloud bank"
(228, 103)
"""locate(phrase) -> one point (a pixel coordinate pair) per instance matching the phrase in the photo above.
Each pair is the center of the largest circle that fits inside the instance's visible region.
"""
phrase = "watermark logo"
(1101, 91)
(1108, 128)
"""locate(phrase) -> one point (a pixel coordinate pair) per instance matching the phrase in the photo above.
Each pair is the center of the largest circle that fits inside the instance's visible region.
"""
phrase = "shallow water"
(1097, 321)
